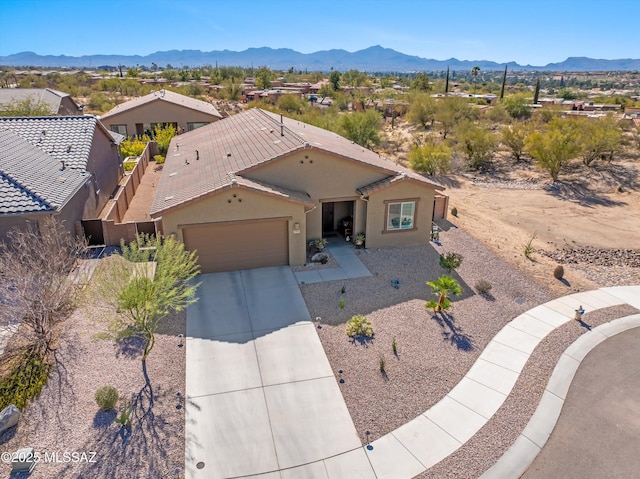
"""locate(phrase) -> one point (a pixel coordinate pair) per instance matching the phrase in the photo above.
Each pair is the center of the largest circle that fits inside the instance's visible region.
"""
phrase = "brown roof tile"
(207, 159)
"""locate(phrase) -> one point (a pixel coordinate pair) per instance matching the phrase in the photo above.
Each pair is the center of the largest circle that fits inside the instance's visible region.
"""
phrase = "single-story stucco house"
(254, 189)
(62, 166)
(59, 103)
(142, 114)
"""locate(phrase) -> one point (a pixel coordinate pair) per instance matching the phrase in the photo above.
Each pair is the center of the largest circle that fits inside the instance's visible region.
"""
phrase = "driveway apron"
(261, 396)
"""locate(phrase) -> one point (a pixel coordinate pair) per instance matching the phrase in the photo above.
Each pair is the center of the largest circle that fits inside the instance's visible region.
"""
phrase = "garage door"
(239, 245)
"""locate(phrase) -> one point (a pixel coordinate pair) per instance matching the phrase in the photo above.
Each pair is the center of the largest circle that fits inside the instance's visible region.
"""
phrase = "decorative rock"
(9, 417)
(320, 258)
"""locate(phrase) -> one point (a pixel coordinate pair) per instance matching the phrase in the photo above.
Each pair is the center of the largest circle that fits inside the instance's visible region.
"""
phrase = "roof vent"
(197, 155)
(62, 161)
(228, 154)
(69, 148)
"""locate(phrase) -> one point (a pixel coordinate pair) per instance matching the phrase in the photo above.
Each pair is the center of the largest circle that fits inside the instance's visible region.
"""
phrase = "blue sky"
(525, 31)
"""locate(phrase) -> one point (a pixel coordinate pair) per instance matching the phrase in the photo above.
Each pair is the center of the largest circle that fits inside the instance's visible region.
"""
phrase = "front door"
(327, 219)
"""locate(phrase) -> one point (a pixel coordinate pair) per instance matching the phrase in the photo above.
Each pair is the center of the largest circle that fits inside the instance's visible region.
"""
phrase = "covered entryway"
(235, 245)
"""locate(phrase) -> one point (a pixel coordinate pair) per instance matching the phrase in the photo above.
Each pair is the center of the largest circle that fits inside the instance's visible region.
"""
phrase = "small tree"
(35, 288)
(362, 128)
(422, 110)
(432, 159)
(442, 287)
(450, 111)
(142, 298)
(599, 139)
(513, 137)
(478, 144)
(554, 147)
(421, 82)
(517, 106)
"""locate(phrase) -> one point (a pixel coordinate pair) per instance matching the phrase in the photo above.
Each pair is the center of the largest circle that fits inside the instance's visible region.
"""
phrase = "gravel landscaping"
(492, 441)
(434, 352)
(66, 417)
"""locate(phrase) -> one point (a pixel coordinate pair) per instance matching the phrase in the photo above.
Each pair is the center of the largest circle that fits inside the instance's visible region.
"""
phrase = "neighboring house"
(141, 115)
(59, 102)
(67, 166)
(251, 191)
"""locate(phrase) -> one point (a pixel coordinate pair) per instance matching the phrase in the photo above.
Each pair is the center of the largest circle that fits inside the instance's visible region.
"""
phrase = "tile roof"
(390, 180)
(166, 96)
(65, 138)
(228, 148)
(32, 181)
(39, 95)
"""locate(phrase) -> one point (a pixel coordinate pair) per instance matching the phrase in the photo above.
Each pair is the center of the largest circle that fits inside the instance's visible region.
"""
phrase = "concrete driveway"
(261, 396)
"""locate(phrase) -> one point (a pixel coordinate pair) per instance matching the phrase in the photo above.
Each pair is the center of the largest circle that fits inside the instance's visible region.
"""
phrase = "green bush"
(129, 165)
(107, 397)
(359, 325)
(29, 374)
(159, 159)
(133, 146)
(162, 135)
(450, 261)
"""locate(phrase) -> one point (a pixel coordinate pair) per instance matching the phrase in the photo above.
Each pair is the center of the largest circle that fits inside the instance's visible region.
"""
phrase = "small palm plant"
(442, 287)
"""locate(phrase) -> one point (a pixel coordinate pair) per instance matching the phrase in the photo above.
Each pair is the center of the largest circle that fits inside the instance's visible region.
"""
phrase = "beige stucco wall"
(325, 177)
(376, 235)
(157, 112)
(254, 205)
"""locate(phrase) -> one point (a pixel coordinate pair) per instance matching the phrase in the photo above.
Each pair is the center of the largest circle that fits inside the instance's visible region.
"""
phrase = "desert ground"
(591, 213)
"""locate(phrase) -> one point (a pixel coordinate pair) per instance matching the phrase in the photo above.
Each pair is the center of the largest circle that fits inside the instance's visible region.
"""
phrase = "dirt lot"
(596, 208)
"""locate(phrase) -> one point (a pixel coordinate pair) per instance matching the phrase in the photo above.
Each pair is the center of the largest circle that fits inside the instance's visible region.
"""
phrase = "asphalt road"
(598, 432)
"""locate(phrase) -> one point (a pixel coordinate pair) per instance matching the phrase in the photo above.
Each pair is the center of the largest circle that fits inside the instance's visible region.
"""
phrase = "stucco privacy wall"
(324, 177)
(223, 206)
(157, 112)
(407, 190)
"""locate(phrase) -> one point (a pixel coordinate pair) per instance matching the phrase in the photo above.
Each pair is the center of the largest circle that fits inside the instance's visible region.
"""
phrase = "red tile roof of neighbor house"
(166, 96)
(210, 158)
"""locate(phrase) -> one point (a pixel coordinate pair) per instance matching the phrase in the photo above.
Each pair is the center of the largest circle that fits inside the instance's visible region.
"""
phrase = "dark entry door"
(327, 218)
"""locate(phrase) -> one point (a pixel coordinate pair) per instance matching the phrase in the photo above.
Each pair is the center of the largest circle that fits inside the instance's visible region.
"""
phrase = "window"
(122, 129)
(197, 124)
(400, 215)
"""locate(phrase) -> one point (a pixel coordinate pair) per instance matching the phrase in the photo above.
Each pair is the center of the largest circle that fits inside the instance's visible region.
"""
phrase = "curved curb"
(517, 459)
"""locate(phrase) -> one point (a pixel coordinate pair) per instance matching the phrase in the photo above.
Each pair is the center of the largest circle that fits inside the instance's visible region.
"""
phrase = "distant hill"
(370, 59)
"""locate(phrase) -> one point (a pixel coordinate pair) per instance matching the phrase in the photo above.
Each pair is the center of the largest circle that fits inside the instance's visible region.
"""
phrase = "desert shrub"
(159, 159)
(483, 286)
(382, 363)
(558, 272)
(359, 325)
(29, 374)
(106, 397)
(451, 261)
(454, 211)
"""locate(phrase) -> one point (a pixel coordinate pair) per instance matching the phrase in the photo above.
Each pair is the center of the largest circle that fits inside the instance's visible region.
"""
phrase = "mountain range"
(372, 59)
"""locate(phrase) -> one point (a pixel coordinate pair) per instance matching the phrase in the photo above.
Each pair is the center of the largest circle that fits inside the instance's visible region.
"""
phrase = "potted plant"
(360, 240)
(320, 244)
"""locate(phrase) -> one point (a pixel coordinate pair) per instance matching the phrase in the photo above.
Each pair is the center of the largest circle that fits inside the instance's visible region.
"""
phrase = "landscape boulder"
(9, 417)
(320, 258)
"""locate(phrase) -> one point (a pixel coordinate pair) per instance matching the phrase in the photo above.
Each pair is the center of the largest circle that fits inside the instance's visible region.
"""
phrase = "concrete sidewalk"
(349, 266)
